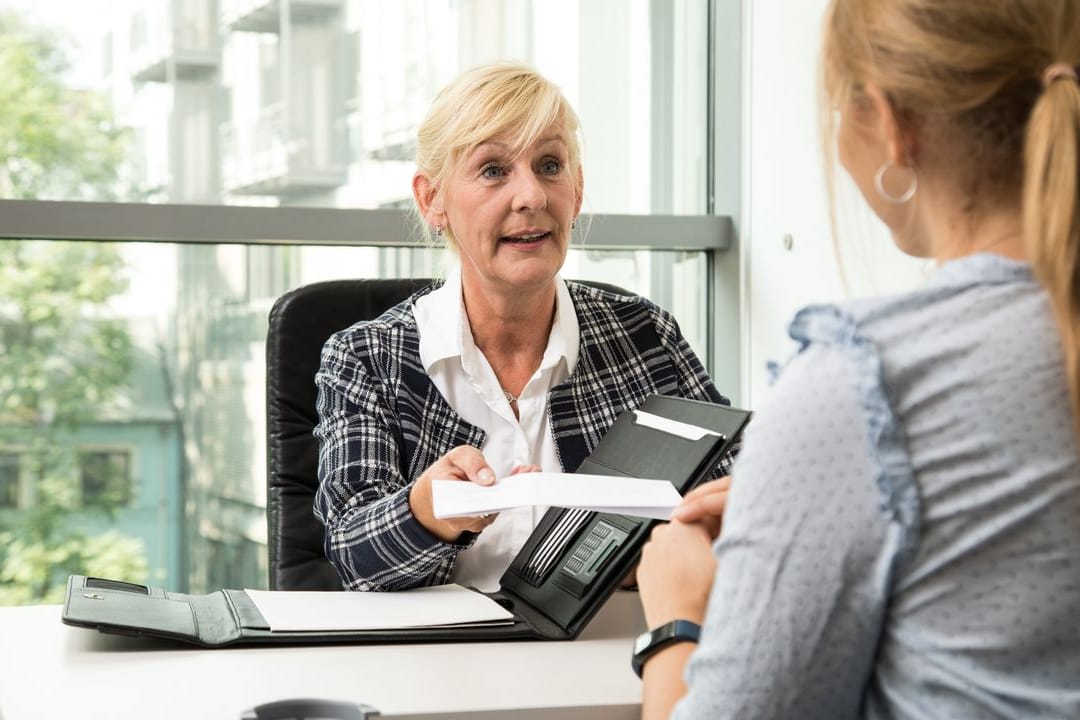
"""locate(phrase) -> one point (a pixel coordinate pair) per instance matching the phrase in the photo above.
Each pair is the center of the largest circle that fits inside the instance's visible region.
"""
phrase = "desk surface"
(51, 671)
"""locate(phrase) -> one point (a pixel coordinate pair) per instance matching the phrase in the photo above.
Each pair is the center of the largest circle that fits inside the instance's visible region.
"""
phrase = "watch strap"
(669, 633)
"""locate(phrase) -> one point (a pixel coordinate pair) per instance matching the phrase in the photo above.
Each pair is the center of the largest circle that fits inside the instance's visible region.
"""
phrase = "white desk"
(49, 671)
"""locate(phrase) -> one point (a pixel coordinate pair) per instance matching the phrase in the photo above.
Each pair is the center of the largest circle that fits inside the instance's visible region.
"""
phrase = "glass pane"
(316, 102)
(132, 398)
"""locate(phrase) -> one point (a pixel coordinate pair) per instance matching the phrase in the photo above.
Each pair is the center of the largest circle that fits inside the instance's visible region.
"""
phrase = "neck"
(511, 329)
(1000, 235)
(511, 322)
(955, 231)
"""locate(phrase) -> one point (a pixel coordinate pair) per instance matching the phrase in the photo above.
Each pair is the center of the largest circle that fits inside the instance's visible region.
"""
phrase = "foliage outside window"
(105, 479)
(9, 479)
(62, 359)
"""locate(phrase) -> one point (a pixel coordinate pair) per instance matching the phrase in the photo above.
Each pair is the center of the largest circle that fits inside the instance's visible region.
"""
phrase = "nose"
(529, 192)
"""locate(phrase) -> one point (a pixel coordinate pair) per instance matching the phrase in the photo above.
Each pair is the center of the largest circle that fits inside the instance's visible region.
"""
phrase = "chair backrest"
(300, 323)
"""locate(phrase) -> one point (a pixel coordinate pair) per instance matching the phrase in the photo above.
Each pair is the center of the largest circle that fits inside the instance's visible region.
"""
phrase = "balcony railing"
(190, 44)
(263, 16)
(269, 157)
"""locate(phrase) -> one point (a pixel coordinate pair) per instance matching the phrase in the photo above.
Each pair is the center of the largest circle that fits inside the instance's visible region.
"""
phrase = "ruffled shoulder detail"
(829, 325)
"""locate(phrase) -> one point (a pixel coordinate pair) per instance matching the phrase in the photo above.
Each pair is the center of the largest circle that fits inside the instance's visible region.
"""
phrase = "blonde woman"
(902, 535)
(504, 366)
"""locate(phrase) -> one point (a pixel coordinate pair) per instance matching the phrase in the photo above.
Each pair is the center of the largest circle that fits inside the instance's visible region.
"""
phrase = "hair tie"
(1056, 72)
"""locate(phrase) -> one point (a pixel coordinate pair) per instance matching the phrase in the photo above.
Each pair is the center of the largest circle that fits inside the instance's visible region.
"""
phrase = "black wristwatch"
(670, 633)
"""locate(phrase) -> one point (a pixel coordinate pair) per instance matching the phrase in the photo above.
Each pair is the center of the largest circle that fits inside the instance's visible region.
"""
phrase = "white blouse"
(465, 378)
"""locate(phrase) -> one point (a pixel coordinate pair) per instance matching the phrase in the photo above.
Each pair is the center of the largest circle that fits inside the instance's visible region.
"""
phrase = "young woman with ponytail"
(902, 533)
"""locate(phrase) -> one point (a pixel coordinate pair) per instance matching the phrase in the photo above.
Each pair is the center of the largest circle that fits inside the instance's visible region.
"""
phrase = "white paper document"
(602, 493)
(439, 606)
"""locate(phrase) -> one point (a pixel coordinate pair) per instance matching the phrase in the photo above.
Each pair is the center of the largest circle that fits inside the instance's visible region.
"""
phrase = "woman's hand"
(464, 463)
(676, 573)
(705, 505)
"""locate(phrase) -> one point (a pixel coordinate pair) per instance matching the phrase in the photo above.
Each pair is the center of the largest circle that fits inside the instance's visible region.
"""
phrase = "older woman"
(503, 367)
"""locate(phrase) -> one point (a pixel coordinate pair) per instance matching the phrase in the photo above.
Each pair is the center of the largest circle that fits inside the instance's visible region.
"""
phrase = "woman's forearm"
(662, 681)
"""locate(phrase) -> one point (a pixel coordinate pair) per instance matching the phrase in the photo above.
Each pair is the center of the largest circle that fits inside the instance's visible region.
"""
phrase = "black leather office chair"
(300, 323)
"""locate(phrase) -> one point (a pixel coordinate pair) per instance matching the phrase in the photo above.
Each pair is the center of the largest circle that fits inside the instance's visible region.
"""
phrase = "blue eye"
(551, 167)
(491, 171)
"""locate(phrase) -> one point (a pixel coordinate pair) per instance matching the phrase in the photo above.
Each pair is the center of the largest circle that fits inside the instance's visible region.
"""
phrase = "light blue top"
(902, 539)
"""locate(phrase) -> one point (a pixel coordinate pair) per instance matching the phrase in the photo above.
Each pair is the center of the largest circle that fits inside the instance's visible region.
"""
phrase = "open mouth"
(526, 238)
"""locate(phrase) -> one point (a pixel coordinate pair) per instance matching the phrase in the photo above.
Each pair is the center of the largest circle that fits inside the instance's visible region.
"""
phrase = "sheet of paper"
(672, 427)
(439, 606)
(602, 493)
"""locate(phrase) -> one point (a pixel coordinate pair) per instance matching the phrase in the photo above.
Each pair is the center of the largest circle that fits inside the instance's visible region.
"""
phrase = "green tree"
(56, 143)
(62, 359)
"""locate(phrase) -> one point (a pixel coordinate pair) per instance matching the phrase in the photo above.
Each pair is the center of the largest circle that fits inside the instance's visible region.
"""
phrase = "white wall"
(784, 195)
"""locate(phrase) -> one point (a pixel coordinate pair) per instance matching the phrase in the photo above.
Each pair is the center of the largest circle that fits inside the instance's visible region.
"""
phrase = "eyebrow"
(503, 147)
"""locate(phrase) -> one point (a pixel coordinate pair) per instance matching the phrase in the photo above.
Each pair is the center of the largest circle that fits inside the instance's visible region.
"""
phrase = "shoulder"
(606, 309)
(601, 296)
(833, 397)
(987, 295)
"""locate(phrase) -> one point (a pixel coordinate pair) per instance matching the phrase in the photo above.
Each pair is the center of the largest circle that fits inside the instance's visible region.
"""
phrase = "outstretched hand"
(464, 463)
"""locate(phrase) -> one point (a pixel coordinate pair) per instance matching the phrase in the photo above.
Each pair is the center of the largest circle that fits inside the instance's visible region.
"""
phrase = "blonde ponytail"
(1051, 208)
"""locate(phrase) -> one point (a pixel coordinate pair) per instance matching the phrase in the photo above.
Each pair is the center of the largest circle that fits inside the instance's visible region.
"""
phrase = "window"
(105, 481)
(229, 159)
(211, 101)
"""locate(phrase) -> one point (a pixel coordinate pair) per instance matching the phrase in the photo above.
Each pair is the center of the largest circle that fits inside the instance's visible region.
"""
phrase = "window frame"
(291, 225)
(385, 227)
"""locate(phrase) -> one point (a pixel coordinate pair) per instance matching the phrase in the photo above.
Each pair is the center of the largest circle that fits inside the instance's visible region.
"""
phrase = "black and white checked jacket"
(382, 422)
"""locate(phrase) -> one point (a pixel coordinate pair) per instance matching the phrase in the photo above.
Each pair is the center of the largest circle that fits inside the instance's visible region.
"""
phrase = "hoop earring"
(879, 185)
(438, 232)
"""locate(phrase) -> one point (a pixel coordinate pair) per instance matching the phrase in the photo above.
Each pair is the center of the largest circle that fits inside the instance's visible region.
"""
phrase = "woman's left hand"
(676, 573)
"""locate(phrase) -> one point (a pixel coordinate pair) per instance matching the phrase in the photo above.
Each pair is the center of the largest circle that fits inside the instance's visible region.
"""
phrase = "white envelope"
(601, 493)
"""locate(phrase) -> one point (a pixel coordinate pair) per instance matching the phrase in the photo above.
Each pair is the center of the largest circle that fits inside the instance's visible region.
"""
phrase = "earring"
(438, 232)
(573, 223)
(879, 185)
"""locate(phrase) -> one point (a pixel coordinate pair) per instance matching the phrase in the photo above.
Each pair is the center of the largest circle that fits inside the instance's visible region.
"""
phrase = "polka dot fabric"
(903, 535)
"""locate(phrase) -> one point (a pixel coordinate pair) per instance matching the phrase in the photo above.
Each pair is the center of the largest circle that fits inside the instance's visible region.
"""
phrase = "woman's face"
(510, 215)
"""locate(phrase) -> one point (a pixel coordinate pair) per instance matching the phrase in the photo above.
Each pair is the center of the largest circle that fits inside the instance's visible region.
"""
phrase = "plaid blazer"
(382, 422)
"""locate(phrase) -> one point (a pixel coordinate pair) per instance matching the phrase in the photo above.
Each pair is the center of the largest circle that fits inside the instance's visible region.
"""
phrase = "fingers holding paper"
(464, 463)
(705, 504)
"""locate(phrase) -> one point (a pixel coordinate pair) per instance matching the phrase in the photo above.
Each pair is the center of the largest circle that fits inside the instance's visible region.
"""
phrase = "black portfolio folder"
(570, 565)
